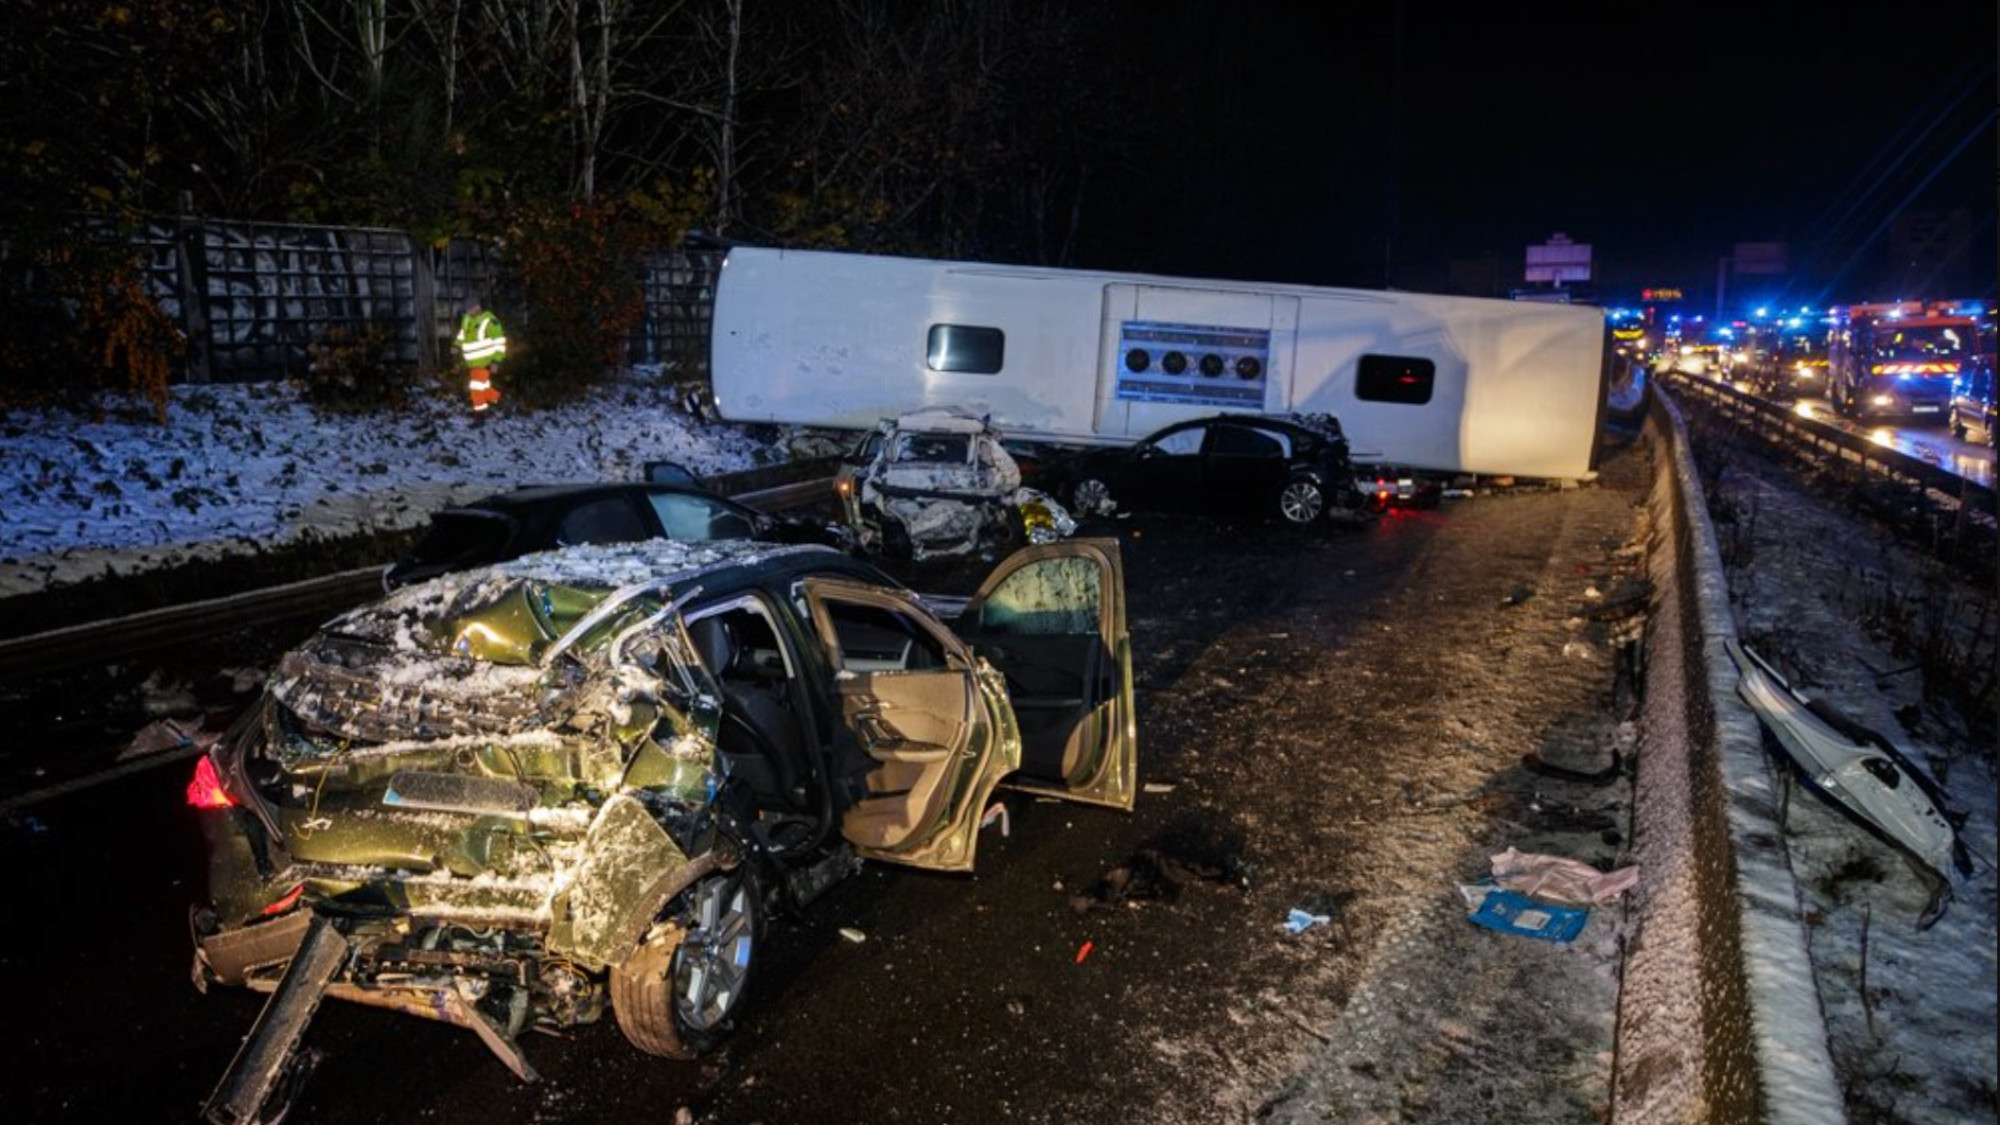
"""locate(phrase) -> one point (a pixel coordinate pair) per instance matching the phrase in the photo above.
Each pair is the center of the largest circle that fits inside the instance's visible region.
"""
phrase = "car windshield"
(1927, 342)
(947, 448)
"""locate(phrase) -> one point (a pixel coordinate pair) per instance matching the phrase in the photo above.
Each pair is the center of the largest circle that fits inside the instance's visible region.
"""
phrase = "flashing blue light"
(1761, 312)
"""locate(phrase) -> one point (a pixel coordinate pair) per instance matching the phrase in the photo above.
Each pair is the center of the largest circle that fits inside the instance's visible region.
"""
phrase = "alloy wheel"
(1091, 497)
(714, 960)
(1301, 502)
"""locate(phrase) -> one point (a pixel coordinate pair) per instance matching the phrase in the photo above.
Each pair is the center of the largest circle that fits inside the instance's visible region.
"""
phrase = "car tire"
(896, 543)
(1301, 501)
(677, 993)
(1091, 496)
(1009, 531)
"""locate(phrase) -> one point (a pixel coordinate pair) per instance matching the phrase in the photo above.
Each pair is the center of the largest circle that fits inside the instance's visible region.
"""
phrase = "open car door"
(935, 723)
(1051, 619)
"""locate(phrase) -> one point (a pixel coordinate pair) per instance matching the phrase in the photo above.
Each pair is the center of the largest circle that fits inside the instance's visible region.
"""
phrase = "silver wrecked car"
(941, 481)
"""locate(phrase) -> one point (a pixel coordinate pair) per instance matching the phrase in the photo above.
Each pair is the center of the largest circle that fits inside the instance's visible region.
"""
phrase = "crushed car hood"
(465, 654)
(458, 660)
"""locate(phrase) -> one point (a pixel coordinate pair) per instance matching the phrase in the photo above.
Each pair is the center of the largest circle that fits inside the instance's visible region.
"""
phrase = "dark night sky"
(1661, 136)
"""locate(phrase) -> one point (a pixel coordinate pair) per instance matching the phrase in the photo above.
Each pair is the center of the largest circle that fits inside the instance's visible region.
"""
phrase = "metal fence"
(1954, 518)
(253, 298)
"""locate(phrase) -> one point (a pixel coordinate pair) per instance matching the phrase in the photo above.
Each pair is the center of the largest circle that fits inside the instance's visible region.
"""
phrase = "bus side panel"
(1246, 336)
(825, 339)
(1517, 388)
(1336, 333)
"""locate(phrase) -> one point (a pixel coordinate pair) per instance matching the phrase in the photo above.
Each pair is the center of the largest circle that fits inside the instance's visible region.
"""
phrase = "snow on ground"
(240, 466)
(1911, 1014)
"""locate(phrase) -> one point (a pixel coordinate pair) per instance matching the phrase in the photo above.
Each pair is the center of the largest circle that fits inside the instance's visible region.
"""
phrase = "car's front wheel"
(677, 992)
(1091, 496)
(1301, 501)
(895, 542)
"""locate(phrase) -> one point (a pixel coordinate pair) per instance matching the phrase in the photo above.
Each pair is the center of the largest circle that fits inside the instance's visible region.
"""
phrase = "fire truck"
(1897, 360)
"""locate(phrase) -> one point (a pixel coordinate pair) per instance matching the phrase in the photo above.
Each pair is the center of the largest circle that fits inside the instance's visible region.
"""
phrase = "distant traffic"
(1914, 376)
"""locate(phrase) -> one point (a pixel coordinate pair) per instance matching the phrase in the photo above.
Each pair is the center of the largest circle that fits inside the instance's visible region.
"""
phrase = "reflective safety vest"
(481, 340)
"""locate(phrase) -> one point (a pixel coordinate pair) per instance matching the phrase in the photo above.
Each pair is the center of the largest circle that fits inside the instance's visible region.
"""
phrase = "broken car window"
(1051, 596)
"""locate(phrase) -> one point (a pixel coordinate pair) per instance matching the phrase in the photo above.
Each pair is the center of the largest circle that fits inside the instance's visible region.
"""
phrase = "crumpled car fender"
(631, 869)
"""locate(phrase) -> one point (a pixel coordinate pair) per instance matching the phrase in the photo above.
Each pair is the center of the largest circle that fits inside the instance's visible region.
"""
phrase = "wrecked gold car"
(527, 794)
(941, 481)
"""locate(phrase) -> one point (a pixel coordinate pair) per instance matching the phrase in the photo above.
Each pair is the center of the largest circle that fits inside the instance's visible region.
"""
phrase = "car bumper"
(234, 956)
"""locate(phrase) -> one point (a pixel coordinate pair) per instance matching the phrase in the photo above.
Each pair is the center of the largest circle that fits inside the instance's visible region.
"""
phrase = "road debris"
(1551, 877)
(1150, 874)
(1497, 908)
(162, 734)
(1299, 921)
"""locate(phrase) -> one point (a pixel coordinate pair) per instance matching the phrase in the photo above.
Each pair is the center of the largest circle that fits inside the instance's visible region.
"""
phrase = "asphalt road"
(1930, 442)
(1335, 721)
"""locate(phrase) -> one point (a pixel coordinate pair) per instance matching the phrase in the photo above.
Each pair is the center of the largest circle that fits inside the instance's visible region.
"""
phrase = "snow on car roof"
(395, 620)
(942, 419)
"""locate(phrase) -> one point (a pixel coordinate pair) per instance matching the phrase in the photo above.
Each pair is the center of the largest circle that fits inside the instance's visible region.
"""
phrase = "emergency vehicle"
(1897, 360)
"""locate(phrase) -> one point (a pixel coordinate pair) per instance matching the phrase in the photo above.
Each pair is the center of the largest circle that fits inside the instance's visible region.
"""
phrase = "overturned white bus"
(1446, 384)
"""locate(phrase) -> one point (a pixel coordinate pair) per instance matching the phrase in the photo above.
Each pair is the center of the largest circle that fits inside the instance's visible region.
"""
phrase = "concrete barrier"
(1719, 1018)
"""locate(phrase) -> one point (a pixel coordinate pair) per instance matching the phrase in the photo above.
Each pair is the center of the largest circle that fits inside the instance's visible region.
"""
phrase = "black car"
(1972, 404)
(508, 525)
(1293, 468)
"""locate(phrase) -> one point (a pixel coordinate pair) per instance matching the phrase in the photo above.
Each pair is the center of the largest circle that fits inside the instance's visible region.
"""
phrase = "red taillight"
(205, 791)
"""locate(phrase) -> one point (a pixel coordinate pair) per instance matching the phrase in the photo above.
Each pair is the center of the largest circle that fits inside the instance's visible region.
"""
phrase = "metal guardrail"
(1796, 429)
(160, 628)
(144, 633)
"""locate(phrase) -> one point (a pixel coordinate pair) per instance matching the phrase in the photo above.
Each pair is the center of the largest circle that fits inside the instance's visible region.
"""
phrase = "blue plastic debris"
(1497, 908)
(1299, 921)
